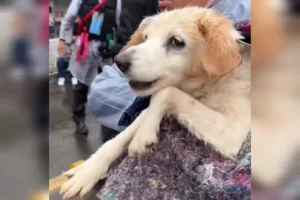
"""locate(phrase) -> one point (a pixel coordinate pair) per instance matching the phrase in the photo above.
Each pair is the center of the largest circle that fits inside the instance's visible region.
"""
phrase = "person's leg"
(20, 59)
(78, 108)
(67, 75)
(66, 65)
(61, 68)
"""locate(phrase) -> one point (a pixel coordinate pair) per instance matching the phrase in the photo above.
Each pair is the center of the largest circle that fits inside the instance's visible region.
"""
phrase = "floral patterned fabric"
(181, 167)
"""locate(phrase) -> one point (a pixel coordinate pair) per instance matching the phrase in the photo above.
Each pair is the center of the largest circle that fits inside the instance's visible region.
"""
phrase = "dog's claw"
(142, 143)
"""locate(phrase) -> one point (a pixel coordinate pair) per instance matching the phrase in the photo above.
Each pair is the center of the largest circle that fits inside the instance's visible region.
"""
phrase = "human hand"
(61, 49)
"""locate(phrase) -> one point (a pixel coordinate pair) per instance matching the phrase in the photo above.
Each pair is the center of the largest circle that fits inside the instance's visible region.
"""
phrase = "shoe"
(74, 81)
(81, 128)
(61, 81)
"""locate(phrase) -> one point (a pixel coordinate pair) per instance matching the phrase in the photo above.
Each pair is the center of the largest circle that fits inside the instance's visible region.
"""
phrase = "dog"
(189, 61)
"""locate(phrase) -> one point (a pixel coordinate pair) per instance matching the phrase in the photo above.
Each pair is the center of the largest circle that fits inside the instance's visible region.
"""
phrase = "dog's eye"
(145, 37)
(176, 42)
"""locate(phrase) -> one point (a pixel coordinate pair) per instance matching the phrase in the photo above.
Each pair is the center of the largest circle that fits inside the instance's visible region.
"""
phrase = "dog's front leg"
(96, 167)
(146, 135)
(224, 133)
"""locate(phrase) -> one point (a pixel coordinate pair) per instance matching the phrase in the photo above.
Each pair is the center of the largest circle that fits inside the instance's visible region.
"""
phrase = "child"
(62, 65)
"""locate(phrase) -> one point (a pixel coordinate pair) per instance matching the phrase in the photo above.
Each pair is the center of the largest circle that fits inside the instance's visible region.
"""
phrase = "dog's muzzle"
(124, 60)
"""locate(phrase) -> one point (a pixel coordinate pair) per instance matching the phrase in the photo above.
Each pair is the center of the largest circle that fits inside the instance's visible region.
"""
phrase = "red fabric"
(82, 52)
(44, 28)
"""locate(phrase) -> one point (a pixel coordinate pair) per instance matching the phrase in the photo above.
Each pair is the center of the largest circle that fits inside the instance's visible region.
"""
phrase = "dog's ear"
(146, 21)
(221, 52)
(137, 37)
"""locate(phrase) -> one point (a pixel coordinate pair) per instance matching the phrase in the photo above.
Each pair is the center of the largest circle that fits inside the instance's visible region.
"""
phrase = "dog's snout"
(123, 65)
(123, 61)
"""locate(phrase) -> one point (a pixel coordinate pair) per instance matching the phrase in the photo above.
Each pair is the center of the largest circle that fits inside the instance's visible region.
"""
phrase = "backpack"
(110, 12)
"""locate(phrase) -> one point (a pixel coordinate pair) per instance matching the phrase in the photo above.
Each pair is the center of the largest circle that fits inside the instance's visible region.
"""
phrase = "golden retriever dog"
(190, 63)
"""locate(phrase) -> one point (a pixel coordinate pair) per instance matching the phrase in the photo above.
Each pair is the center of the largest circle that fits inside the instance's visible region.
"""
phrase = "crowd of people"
(93, 32)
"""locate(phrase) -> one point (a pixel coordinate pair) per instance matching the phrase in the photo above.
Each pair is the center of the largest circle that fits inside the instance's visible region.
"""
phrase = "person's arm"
(67, 25)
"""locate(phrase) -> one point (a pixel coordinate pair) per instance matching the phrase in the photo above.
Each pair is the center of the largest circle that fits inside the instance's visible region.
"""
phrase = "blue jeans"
(62, 65)
(20, 49)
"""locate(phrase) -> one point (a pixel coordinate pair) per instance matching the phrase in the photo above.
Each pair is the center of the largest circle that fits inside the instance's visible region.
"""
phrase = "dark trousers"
(80, 99)
(20, 51)
(62, 65)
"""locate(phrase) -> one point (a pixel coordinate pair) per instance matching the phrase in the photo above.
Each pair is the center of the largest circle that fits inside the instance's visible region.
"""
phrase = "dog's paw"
(84, 177)
(73, 171)
(142, 142)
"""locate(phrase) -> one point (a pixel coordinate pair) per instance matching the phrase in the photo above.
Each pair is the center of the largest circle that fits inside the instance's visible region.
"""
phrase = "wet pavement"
(65, 147)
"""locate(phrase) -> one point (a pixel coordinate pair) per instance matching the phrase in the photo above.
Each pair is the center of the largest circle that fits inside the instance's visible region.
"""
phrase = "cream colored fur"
(206, 85)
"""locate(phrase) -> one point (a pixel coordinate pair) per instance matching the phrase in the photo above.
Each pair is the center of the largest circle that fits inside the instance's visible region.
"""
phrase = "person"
(20, 47)
(85, 72)
(111, 99)
(62, 65)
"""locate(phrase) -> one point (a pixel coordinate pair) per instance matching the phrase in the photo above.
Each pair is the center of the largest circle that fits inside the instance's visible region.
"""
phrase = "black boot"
(81, 128)
(78, 108)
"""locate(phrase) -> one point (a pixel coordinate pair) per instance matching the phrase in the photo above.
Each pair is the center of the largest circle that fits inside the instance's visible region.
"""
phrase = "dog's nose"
(123, 62)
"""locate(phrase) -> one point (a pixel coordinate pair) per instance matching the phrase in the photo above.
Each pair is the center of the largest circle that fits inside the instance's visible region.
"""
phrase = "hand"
(61, 48)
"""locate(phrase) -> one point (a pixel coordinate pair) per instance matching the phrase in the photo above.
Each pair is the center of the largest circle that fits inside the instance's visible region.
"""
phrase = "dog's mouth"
(141, 85)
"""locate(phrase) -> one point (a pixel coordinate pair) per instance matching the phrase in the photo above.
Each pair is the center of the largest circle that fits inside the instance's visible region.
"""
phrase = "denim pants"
(62, 65)
(20, 49)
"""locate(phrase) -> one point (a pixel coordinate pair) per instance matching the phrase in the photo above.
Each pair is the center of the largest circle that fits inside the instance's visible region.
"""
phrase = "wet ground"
(65, 147)
(24, 153)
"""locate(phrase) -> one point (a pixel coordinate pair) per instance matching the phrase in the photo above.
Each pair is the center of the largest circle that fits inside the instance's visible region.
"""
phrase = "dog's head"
(193, 42)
